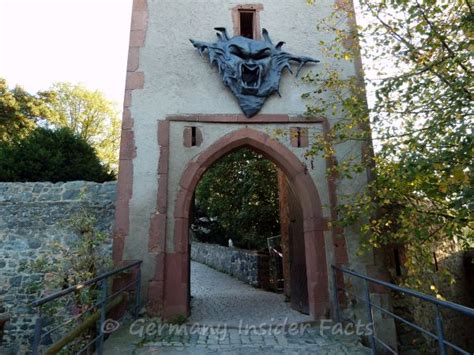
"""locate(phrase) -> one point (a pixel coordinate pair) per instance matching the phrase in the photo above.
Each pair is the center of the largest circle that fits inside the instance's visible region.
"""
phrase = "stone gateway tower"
(182, 114)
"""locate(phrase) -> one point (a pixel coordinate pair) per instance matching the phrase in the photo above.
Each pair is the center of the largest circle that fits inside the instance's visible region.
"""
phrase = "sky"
(80, 41)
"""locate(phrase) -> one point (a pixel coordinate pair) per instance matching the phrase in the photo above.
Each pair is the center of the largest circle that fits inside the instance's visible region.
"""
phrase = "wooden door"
(298, 280)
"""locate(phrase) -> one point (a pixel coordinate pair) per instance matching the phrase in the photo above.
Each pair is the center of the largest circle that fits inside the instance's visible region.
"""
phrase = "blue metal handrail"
(101, 304)
(439, 336)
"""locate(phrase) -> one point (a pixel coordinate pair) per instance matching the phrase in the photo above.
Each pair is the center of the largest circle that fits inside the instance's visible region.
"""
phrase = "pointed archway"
(176, 283)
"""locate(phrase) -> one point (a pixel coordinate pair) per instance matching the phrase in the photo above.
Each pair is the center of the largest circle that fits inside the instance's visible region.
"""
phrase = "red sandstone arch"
(176, 264)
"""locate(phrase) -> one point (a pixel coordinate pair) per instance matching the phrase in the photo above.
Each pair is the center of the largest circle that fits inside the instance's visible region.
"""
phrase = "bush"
(51, 155)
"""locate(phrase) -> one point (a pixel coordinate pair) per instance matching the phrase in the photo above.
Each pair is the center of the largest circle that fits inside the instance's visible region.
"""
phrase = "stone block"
(71, 194)
(35, 217)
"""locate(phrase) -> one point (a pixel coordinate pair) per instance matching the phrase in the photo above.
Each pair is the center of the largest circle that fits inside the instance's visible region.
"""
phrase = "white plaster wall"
(180, 156)
(179, 81)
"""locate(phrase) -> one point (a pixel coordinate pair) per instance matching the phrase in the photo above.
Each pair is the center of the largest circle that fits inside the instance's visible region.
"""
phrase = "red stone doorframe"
(176, 280)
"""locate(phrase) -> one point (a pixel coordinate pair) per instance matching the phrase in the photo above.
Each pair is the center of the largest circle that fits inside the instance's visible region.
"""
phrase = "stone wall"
(32, 216)
(245, 265)
(450, 258)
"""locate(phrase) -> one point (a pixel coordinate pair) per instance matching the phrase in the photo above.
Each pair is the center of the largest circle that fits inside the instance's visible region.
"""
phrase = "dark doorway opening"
(240, 202)
(247, 19)
(176, 278)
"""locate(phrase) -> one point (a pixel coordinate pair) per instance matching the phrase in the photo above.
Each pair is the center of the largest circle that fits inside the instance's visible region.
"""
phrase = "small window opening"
(398, 264)
(247, 23)
(298, 137)
(193, 136)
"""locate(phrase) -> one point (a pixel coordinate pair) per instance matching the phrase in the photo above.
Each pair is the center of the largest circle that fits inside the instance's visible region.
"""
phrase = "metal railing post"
(335, 295)
(376, 342)
(370, 319)
(37, 336)
(103, 300)
(138, 291)
(100, 306)
(440, 332)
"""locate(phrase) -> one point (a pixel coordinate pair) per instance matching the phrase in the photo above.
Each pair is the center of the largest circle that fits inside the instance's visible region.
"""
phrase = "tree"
(20, 112)
(87, 113)
(51, 155)
(421, 192)
(90, 115)
(241, 192)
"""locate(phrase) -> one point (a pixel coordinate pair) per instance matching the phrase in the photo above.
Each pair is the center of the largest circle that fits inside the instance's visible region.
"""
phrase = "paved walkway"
(230, 317)
(219, 298)
(231, 341)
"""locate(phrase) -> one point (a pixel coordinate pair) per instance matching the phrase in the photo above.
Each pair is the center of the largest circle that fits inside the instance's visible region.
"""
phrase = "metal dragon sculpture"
(250, 68)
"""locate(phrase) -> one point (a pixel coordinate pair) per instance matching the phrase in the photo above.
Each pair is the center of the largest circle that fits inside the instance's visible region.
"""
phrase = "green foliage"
(70, 264)
(51, 155)
(241, 192)
(90, 115)
(420, 195)
(86, 113)
(82, 260)
(178, 319)
(20, 112)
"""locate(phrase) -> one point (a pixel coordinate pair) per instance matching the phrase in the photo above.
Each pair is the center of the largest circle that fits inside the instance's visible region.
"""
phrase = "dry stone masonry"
(241, 264)
(32, 216)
